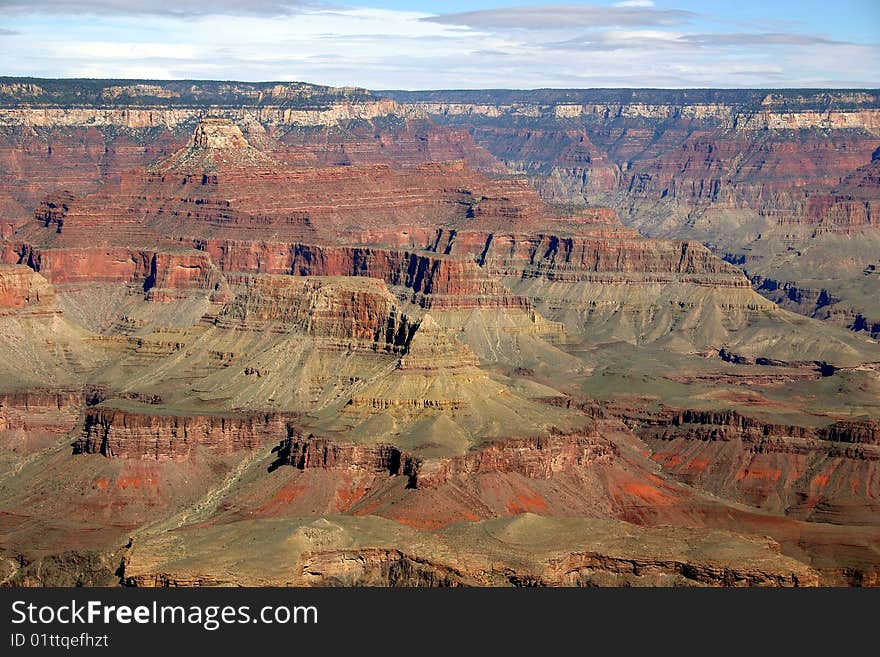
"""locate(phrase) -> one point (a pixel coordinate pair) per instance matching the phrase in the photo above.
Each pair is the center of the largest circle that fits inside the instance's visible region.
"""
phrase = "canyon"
(549, 338)
(782, 184)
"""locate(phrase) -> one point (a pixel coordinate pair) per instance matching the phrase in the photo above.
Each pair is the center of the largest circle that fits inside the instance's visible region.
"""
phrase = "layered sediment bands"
(377, 567)
(763, 172)
(168, 581)
(746, 109)
(135, 117)
(173, 273)
(426, 274)
(42, 160)
(539, 457)
(820, 302)
(457, 224)
(237, 198)
(846, 205)
(602, 570)
(825, 473)
(135, 435)
(575, 259)
(241, 200)
(314, 452)
(805, 300)
(837, 212)
(343, 308)
(216, 143)
(69, 568)
(432, 349)
(22, 288)
(434, 280)
(297, 104)
(409, 144)
(50, 399)
(158, 272)
(572, 154)
(54, 410)
(726, 425)
(397, 305)
(72, 265)
(771, 178)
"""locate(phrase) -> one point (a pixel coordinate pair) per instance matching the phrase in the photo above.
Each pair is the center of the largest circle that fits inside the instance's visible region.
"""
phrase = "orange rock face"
(21, 287)
(451, 230)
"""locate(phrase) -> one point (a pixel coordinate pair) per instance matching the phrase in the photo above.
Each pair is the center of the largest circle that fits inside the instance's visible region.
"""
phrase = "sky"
(451, 44)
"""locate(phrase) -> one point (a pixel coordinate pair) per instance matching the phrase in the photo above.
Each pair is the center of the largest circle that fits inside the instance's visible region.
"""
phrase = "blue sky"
(382, 44)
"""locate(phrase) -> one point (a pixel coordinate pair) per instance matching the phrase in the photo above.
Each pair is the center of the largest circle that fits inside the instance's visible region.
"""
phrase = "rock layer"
(136, 435)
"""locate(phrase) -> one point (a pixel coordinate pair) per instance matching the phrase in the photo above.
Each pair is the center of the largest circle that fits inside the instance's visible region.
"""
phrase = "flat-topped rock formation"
(217, 143)
(118, 433)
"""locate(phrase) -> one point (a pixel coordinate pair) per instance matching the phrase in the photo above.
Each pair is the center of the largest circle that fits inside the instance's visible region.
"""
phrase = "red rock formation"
(51, 410)
(577, 258)
(160, 273)
(136, 435)
(311, 452)
(822, 473)
(852, 204)
(539, 457)
(536, 458)
(41, 160)
(21, 287)
(410, 144)
(453, 232)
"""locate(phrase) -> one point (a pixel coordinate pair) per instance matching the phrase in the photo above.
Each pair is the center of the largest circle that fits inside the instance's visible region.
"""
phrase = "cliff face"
(310, 452)
(21, 287)
(132, 435)
(534, 458)
(453, 267)
(344, 309)
(573, 259)
(159, 117)
(731, 109)
(52, 411)
(806, 472)
(399, 141)
(442, 236)
(163, 276)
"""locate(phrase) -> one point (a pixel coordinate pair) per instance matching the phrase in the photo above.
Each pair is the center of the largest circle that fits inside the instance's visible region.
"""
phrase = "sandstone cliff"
(117, 433)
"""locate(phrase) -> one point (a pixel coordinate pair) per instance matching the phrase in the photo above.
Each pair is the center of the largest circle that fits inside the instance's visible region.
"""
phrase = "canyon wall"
(116, 433)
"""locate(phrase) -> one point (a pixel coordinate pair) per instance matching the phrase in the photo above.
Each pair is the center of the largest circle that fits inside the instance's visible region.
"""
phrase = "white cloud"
(540, 17)
(379, 48)
(635, 3)
(153, 7)
(97, 50)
